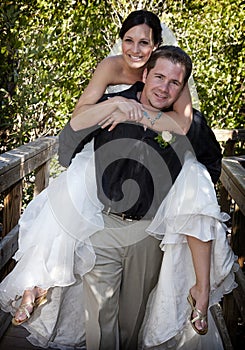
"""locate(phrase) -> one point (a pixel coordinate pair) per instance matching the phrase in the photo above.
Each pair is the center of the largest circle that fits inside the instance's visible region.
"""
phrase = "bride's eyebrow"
(130, 37)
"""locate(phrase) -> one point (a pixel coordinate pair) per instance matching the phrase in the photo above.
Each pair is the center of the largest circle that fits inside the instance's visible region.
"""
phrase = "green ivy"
(212, 34)
(49, 50)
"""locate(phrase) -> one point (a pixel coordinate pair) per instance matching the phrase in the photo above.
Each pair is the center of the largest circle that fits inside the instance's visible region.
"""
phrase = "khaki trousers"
(127, 266)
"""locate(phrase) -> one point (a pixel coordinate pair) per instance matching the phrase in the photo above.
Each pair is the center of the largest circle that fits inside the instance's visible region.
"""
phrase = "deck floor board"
(15, 339)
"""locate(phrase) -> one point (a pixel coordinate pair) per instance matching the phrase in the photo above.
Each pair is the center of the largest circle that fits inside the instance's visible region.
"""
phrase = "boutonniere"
(165, 139)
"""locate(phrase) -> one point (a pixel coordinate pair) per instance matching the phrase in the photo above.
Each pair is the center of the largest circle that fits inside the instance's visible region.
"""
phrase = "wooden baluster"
(11, 215)
(41, 178)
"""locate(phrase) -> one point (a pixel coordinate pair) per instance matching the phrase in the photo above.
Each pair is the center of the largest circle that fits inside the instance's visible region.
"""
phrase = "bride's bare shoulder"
(114, 64)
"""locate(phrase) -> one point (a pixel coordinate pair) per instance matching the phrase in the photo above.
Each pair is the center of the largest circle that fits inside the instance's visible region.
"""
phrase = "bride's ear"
(155, 47)
(144, 75)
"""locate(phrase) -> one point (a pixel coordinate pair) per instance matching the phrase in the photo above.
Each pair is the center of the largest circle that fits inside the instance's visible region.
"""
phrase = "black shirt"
(134, 173)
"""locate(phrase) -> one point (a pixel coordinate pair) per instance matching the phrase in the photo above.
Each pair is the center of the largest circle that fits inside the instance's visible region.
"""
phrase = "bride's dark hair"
(138, 17)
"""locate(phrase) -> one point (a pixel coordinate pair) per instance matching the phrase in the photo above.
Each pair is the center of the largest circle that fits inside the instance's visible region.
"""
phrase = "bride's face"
(137, 45)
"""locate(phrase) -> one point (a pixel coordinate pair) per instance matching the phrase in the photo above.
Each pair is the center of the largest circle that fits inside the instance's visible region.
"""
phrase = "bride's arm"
(182, 113)
(178, 120)
(102, 77)
(123, 108)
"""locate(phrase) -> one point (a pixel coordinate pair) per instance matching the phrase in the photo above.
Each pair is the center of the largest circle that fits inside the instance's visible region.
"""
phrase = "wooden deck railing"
(14, 166)
(35, 157)
(233, 190)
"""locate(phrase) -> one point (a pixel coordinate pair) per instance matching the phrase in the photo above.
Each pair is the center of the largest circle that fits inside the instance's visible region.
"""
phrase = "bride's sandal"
(199, 316)
(41, 299)
(23, 309)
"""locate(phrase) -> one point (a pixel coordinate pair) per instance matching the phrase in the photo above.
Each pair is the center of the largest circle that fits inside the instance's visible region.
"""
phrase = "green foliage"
(58, 46)
(49, 50)
(212, 34)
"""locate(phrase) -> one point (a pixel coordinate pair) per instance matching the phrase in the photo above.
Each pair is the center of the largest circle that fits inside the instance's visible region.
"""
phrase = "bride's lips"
(135, 58)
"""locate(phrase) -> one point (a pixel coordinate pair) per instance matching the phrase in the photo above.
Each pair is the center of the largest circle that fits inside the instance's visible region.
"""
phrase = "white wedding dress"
(190, 208)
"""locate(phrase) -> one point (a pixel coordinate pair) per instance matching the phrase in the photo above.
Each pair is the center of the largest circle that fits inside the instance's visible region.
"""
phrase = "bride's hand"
(113, 119)
(126, 110)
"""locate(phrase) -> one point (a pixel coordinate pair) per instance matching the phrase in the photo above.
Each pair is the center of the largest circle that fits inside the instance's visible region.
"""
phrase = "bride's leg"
(201, 257)
(28, 303)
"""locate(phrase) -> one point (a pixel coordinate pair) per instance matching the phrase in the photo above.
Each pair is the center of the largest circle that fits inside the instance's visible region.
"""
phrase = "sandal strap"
(23, 308)
(199, 316)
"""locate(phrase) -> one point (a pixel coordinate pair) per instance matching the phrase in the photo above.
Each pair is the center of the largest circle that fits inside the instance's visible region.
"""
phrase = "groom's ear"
(144, 76)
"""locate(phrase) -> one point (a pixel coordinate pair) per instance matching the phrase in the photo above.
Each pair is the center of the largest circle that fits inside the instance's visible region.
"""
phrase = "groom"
(134, 172)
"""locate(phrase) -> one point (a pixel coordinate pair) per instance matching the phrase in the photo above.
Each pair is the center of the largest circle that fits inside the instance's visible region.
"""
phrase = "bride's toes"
(198, 318)
(23, 313)
(199, 321)
(31, 300)
(26, 308)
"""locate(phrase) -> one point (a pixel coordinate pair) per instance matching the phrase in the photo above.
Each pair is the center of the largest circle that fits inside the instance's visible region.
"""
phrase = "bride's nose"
(135, 48)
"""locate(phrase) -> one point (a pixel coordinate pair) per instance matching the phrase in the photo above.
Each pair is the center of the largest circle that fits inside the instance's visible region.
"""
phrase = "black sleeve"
(206, 147)
(72, 142)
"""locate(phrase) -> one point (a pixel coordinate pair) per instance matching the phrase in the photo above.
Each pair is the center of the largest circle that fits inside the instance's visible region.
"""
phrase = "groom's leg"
(102, 286)
(142, 264)
(101, 291)
(127, 266)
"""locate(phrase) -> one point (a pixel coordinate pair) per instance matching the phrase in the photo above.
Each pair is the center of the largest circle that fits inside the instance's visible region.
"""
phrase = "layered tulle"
(54, 233)
(55, 252)
(190, 208)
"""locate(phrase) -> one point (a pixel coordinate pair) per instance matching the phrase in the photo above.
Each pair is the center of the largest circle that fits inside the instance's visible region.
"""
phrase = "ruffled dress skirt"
(55, 252)
(190, 208)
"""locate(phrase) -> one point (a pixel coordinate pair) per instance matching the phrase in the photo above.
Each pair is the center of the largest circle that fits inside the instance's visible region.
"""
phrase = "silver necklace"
(152, 120)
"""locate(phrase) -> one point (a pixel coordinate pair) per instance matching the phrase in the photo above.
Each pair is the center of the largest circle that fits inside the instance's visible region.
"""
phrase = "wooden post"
(224, 199)
(234, 308)
(12, 207)
(238, 235)
(229, 148)
(217, 314)
(41, 178)
(11, 215)
(231, 316)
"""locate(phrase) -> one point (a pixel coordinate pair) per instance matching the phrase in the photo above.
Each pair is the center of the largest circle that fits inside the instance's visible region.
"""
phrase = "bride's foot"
(30, 300)
(199, 305)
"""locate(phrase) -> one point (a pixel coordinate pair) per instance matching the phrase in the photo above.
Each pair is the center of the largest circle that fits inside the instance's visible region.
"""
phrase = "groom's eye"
(159, 76)
(176, 83)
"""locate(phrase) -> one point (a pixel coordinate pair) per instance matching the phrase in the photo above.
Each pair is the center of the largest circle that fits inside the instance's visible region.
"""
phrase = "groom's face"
(163, 84)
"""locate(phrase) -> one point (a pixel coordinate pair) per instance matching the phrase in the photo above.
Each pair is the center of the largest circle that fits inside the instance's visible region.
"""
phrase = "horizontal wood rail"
(232, 178)
(35, 157)
(21, 161)
(229, 135)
